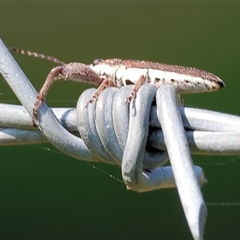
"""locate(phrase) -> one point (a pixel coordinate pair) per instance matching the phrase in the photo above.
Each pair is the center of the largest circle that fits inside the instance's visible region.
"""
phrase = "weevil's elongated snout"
(80, 72)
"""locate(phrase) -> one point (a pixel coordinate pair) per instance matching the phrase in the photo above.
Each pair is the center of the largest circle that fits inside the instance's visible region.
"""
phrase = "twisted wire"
(114, 132)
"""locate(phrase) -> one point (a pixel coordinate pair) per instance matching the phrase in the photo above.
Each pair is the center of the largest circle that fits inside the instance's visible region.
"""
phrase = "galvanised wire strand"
(208, 132)
(195, 119)
(206, 137)
(179, 155)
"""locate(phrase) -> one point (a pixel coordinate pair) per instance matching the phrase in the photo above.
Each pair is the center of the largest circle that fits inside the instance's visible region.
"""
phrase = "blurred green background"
(45, 194)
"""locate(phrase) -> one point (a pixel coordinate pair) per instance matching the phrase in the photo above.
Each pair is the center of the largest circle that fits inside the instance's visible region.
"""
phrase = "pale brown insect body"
(117, 73)
(185, 79)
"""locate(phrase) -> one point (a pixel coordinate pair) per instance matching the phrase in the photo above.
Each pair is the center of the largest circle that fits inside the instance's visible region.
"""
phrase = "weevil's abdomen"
(184, 83)
(189, 83)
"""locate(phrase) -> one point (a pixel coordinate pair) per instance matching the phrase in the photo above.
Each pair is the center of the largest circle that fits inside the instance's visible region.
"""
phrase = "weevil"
(117, 73)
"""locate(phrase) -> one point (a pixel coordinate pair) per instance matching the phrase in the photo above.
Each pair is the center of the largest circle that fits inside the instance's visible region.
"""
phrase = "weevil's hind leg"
(42, 93)
(104, 84)
(138, 84)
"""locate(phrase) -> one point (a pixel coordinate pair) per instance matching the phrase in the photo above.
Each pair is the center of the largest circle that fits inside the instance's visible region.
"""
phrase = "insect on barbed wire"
(117, 73)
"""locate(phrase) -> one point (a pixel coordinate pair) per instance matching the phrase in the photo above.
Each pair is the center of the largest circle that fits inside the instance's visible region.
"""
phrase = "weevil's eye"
(97, 61)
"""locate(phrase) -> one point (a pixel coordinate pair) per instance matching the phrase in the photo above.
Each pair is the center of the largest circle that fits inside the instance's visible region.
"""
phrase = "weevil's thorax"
(104, 70)
(116, 70)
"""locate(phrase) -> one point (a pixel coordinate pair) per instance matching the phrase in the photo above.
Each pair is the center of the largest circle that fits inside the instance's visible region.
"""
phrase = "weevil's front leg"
(138, 84)
(104, 84)
(42, 93)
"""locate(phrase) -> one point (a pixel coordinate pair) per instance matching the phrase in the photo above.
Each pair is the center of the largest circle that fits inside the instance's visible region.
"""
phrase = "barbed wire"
(140, 137)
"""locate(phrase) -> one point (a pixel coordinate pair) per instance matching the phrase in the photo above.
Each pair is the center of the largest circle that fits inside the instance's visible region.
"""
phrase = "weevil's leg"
(180, 100)
(138, 84)
(42, 93)
(104, 84)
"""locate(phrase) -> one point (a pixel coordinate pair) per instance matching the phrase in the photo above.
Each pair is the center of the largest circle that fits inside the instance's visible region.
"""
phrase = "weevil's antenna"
(37, 55)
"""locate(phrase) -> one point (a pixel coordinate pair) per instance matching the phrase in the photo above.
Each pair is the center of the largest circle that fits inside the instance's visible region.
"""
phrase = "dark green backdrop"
(45, 194)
